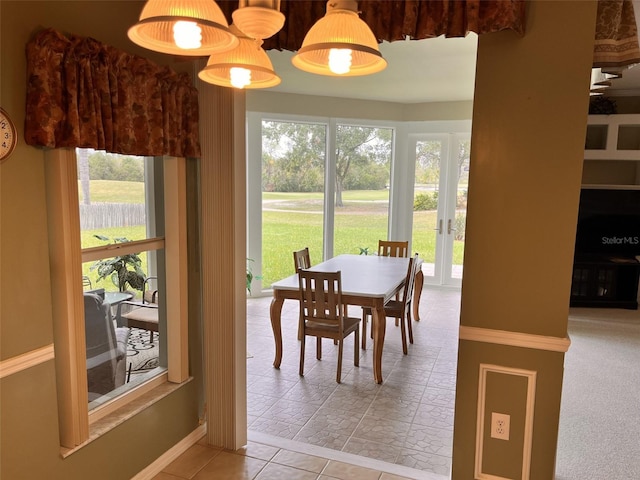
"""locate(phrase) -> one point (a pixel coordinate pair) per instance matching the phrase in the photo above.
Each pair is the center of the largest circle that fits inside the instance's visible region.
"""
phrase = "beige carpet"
(599, 435)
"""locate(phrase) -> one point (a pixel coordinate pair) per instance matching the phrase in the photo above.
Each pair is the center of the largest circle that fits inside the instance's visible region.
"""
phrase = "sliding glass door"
(323, 185)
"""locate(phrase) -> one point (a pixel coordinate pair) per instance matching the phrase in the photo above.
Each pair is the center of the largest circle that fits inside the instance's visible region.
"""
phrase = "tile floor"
(407, 421)
(261, 461)
(313, 428)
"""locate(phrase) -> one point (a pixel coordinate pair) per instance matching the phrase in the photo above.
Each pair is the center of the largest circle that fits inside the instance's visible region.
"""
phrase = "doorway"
(441, 180)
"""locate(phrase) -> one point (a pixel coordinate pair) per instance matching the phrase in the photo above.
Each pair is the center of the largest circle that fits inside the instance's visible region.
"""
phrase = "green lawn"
(109, 191)
(360, 224)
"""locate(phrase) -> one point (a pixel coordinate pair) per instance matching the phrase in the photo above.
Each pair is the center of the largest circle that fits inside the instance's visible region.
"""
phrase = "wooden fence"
(106, 215)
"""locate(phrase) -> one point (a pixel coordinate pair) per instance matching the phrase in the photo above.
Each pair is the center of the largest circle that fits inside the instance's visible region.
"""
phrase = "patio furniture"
(143, 314)
(322, 315)
(398, 308)
(106, 347)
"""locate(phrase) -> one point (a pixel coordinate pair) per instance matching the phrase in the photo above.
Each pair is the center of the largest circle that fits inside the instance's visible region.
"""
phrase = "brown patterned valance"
(82, 93)
(616, 42)
(392, 20)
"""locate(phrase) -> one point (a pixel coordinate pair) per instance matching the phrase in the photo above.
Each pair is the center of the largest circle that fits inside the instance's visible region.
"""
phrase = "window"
(117, 236)
(362, 181)
(293, 173)
(305, 163)
(338, 186)
(121, 212)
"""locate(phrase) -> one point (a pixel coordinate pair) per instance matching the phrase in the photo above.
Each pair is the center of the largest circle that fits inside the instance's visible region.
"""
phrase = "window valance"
(392, 20)
(82, 93)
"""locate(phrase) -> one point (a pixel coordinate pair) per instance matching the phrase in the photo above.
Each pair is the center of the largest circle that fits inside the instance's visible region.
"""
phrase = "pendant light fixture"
(258, 18)
(245, 67)
(340, 44)
(183, 27)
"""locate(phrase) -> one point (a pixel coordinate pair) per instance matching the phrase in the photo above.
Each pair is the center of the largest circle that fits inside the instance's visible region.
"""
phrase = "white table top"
(362, 275)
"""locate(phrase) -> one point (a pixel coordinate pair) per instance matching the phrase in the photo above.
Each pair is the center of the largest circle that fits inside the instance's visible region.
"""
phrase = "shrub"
(426, 201)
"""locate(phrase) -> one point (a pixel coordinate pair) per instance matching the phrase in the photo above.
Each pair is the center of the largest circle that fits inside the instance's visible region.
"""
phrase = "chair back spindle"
(391, 248)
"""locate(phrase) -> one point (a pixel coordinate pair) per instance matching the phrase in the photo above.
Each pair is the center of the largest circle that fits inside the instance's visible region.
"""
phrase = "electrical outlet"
(500, 424)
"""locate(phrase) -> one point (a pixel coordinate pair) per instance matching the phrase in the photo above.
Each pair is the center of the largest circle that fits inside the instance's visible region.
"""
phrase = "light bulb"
(240, 77)
(187, 35)
(340, 60)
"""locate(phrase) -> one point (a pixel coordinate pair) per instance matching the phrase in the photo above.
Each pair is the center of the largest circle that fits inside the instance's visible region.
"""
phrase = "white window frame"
(254, 179)
(68, 309)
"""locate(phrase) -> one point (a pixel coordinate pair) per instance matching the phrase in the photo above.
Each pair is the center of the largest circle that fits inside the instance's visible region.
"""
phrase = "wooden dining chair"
(398, 308)
(301, 259)
(391, 248)
(322, 315)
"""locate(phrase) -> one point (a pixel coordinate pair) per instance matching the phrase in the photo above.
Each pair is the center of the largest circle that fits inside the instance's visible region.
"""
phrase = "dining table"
(367, 281)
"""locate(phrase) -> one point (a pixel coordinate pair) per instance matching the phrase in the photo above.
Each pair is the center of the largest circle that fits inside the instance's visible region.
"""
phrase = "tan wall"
(29, 442)
(529, 124)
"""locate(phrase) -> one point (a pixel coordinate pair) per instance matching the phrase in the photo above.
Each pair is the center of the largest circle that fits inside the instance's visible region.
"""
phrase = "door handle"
(449, 229)
(439, 229)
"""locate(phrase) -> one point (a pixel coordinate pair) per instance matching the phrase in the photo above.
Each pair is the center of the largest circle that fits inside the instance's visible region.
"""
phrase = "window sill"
(108, 422)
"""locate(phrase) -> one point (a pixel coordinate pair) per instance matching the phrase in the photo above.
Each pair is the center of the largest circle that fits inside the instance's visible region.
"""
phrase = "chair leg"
(302, 345)
(409, 326)
(339, 374)
(319, 348)
(364, 330)
(403, 332)
(356, 349)
(300, 329)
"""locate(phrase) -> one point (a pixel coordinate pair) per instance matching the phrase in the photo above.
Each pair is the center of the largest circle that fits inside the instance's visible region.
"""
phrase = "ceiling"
(431, 70)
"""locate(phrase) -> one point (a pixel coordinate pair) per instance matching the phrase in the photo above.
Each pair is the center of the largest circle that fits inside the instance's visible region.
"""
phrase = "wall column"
(529, 124)
(223, 251)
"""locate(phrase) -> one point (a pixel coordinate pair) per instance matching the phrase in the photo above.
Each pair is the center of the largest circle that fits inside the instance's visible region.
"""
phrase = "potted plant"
(123, 269)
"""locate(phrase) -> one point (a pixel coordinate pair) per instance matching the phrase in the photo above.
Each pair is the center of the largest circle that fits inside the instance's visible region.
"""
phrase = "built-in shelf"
(612, 150)
(613, 137)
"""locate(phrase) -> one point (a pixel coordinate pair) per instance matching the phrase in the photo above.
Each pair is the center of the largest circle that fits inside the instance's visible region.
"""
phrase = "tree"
(101, 167)
(363, 147)
(110, 166)
(428, 156)
(131, 169)
(293, 157)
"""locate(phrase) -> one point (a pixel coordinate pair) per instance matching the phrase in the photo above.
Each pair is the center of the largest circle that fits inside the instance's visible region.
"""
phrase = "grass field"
(292, 221)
